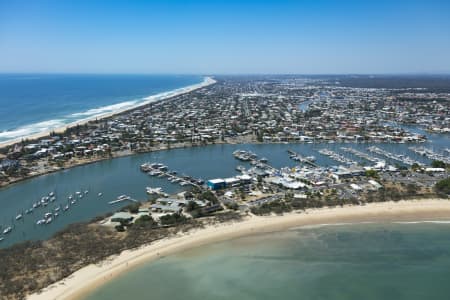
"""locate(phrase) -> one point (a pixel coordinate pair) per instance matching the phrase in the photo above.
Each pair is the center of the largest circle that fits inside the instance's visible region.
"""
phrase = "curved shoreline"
(87, 279)
(147, 100)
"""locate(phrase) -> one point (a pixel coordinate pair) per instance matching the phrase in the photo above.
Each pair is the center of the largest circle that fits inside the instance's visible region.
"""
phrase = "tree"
(192, 205)
(443, 186)
(415, 167)
(438, 164)
(372, 173)
(173, 219)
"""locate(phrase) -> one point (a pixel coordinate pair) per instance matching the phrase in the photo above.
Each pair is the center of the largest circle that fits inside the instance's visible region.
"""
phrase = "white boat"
(40, 222)
(7, 230)
(86, 191)
(70, 197)
(66, 207)
(1, 239)
(154, 191)
(48, 221)
(19, 216)
(51, 194)
(100, 194)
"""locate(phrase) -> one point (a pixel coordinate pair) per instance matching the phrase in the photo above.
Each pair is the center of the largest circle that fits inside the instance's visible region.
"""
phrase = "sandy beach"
(88, 278)
(158, 97)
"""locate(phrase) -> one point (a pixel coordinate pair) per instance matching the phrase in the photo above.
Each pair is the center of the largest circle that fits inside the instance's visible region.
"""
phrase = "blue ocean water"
(32, 103)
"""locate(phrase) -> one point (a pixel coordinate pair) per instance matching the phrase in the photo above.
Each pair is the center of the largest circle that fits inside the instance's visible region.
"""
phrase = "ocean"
(33, 103)
(343, 262)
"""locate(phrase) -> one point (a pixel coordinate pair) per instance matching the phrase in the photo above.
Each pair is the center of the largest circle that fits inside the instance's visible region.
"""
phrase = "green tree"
(438, 164)
(443, 186)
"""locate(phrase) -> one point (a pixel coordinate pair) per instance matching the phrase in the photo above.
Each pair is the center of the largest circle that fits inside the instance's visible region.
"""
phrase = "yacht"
(19, 216)
(154, 191)
(7, 230)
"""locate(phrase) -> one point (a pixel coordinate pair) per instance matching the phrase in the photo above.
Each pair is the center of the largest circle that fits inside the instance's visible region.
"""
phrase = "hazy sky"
(315, 36)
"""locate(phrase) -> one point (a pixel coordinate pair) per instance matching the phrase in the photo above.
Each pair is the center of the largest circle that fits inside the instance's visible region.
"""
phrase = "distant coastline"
(87, 279)
(117, 109)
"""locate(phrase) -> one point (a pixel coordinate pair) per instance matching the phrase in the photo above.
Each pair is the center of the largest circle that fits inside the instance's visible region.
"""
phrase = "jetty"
(160, 170)
(298, 157)
(337, 157)
(123, 198)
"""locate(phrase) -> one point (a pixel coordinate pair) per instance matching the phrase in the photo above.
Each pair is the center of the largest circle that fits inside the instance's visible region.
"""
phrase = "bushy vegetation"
(173, 219)
(443, 187)
(438, 164)
(278, 207)
(31, 266)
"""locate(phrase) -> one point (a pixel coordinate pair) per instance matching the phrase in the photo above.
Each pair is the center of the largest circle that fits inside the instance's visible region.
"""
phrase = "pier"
(298, 157)
(337, 157)
(398, 157)
(160, 170)
(430, 154)
(361, 154)
(122, 199)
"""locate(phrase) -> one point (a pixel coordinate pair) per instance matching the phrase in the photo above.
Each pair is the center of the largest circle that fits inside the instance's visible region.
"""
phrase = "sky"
(225, 37)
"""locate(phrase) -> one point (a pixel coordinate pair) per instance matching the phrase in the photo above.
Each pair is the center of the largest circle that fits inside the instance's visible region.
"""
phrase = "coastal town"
(336, 151)
(239, 110)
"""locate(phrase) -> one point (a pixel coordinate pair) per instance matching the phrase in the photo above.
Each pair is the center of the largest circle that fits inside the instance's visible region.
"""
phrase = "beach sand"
(163, 96)
(91, 277)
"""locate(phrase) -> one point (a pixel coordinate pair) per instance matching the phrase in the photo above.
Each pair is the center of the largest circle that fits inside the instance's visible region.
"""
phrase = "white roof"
(434, 170)
(215, 181)
(355, 187)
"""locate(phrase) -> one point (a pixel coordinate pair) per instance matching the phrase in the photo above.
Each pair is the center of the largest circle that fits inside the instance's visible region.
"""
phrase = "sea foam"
(45, 126)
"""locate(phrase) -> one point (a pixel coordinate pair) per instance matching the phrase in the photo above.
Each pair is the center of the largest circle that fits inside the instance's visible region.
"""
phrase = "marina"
(430, 154)
(337, 157)
(105, 181)
(298, 157)
(398, 157)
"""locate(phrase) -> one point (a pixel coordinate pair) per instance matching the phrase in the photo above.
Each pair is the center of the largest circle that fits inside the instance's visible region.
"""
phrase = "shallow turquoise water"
(369, 261)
